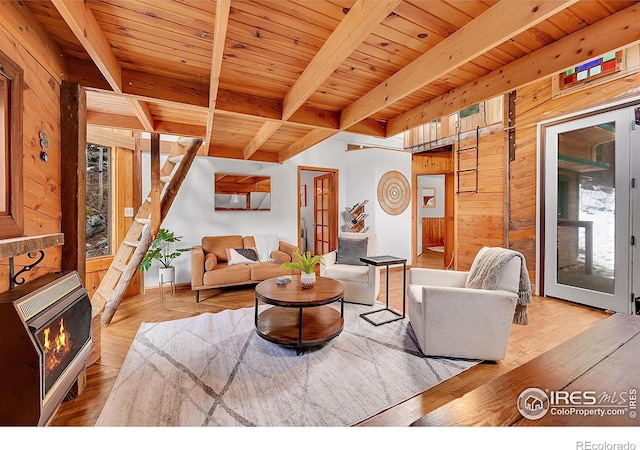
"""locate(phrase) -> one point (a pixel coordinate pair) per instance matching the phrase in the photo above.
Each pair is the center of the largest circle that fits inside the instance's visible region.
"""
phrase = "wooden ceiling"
(265, 80)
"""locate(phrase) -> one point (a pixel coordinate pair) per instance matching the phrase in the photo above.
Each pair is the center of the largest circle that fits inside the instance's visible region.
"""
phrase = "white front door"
(588, 214)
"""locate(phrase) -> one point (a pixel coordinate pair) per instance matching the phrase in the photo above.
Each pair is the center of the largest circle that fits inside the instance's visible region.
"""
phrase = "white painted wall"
(192, 215)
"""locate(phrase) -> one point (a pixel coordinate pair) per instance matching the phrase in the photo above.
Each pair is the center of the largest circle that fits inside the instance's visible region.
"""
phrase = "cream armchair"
(452, 320)
(361, 282)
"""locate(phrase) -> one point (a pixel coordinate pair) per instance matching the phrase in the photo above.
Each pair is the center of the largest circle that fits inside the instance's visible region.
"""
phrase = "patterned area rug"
(214, 370)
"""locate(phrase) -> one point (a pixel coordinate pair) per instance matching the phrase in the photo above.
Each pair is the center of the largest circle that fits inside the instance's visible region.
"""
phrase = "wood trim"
(12, 225)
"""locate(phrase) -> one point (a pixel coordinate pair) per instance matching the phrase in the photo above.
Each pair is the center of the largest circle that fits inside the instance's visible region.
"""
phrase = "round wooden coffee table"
(299, 317)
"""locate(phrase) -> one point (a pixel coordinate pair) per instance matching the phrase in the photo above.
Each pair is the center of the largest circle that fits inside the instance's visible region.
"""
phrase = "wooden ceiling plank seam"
(25, 28)
(84, 25)
(506, 20)
(349, 33)
(601, 37)
(137, 11)
(223, 8)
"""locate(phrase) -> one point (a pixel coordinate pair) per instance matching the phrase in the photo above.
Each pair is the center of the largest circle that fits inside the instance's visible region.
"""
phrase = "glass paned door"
(323, 214)
(587, 211)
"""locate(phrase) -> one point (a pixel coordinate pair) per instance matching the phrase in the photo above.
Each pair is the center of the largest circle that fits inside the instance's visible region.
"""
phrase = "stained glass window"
(592, 69)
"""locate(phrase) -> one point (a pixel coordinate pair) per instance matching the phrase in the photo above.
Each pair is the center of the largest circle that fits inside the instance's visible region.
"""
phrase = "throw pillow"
(210, 261)
(241, 256)
(350, 250)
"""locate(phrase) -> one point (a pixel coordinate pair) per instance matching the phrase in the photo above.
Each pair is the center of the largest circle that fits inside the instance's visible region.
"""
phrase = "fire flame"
(56, 349)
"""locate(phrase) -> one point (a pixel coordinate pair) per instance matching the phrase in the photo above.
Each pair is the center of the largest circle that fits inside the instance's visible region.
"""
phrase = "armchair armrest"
(197, 266)
(328, 260)
(436, 277)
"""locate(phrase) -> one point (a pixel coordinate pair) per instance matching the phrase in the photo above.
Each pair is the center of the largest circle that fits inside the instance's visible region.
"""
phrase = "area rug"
(214, 370)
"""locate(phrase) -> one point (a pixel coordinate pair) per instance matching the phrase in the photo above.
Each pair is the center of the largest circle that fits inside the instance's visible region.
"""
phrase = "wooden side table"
(386, 260)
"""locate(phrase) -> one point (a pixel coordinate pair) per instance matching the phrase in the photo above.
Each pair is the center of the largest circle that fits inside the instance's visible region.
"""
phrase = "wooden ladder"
(137, 241)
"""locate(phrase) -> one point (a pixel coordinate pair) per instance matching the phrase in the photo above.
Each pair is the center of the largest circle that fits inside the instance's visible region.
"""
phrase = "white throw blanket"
(487, 271)
(265, 244)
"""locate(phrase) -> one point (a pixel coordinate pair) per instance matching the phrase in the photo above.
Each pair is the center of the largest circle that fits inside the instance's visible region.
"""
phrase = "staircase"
(137, 241)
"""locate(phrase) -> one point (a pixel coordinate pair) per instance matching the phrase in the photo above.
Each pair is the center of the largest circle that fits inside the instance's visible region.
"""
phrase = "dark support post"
(73, 143)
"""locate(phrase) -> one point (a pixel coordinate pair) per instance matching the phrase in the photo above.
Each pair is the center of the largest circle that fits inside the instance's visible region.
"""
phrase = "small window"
(469, 111)
(11, 199)
(596, 68)
(98, 220)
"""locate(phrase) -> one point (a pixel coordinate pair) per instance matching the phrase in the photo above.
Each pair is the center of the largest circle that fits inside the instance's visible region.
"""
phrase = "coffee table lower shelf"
(300, 328)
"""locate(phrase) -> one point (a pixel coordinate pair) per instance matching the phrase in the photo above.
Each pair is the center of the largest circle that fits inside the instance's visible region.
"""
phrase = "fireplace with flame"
(45, 340)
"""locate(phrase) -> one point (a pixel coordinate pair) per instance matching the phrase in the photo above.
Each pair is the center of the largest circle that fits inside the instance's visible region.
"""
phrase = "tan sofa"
(210, 268)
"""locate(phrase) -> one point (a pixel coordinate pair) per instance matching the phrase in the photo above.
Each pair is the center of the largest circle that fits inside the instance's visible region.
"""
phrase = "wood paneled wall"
(480, 216)
(535, 103)
(41, 180)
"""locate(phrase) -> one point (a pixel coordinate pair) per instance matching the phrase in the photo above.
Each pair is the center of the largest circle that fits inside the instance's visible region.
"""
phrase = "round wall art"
(393, 192)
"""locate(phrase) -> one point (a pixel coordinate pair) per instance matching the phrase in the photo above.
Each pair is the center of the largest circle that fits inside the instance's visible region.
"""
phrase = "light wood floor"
(551, 323)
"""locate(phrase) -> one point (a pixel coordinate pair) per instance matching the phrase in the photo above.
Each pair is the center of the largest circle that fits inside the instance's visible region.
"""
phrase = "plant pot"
(166, 275)
(307, 280)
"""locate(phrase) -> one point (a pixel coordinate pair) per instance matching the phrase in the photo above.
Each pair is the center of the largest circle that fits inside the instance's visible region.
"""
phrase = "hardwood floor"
(551, 323)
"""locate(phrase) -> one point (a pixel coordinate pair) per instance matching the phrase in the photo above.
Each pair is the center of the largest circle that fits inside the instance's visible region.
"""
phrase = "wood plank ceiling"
(265, 80)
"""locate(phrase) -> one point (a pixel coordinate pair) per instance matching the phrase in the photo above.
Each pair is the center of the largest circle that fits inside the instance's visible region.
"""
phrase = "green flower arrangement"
(305, 263)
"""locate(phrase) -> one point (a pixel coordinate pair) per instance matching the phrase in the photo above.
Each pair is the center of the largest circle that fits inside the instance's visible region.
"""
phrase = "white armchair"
(361, 282)
(452, 320)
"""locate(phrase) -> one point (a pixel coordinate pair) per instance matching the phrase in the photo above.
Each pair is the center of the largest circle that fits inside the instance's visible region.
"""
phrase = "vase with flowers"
(306, 264)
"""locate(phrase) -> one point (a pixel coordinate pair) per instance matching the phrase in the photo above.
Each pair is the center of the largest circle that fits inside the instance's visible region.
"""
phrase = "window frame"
(12, 221)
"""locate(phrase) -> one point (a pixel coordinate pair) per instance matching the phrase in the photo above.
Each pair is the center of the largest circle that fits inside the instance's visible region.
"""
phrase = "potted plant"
(161, 251)
(306, 263)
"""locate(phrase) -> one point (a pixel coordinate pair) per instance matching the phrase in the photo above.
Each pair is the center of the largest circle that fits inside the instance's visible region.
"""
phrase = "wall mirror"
(237, 192)
(428, 197)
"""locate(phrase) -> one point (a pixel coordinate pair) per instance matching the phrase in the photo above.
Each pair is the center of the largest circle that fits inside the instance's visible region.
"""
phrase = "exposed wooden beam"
(107, 138)
(113, 120)
(85, 27)
(611, 33)
(143, 114)
(156, 188)
(263, 134)
(26, 29)
(350, 32)
(499, 23)
(223, 8)
(308, 140)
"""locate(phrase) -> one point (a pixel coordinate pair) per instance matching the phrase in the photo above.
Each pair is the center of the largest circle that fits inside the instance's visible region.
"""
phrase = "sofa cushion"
(241, 256)
(348, 272)
(218, 245)
(350, 251)
(210, 261)
(225, 275)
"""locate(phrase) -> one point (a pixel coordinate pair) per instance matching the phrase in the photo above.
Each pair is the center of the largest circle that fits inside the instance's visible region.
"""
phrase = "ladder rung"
(184, 142)
(119, 267)
(131, 243)
(165, 179)
(143, 220)
(175, 159)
